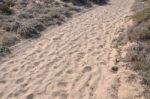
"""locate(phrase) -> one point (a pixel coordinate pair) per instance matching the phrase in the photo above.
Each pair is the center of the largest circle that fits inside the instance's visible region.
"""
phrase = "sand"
(71, 61)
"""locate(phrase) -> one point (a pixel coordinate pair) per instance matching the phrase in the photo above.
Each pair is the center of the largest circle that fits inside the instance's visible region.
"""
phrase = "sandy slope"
(71, 61)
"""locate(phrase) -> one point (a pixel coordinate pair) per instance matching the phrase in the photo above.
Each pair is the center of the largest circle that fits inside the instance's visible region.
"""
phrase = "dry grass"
(142, 15)
(18, 20)
(139, 58)
(142, 32)
(25, 24)
(139, 54)
(5, 7)
(7, 39)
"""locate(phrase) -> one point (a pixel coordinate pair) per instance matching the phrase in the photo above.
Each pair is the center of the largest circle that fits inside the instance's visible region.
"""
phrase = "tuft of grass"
(142, 15)
(138, 55)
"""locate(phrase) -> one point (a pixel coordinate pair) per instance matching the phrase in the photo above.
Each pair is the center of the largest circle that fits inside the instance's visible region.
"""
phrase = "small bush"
(9, 41)
(28, 32)
(145, 35)
(140, 32)
(25, 14)
(7, 38)
(5, 7)
(14, 26)
(4, 51)
(51, 19)
(28, 29)
(139, 57)
(38, 26)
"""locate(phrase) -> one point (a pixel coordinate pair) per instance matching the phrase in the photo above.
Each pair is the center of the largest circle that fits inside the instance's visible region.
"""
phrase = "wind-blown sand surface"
(71, 61)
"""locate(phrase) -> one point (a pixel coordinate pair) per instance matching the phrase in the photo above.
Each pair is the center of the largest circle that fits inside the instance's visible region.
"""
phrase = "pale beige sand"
(71, 61)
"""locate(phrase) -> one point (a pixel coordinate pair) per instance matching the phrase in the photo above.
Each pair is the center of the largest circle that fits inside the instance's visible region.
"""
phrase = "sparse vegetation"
(142, 15)
(4, 51)
(139, 54)
(19, 21)
(139, 58)
(138, 35)
(142, 32)
(5, 6)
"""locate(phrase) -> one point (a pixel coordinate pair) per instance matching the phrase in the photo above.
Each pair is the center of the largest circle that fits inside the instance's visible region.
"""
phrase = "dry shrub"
(5, 7)
(28, 29)
(140, 32)
(24, 14)
(139, 58)
(4, 51)
(85, 2)
(8, 38)
(139, 54)
(51, 19)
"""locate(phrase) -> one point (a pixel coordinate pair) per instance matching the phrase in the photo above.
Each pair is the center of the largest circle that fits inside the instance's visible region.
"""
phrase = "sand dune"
(71, 61)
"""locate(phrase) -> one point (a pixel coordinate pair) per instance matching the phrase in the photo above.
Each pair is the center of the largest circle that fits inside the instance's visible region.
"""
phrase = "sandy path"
(69, 62)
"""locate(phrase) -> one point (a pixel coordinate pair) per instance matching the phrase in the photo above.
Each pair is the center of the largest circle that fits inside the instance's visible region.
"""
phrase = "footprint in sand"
(62, 84)
(62, 94)
(30, 96)
(62, 63)
(86, 69)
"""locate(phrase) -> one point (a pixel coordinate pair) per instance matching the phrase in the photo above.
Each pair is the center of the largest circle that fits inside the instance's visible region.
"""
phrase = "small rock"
(114, 69)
